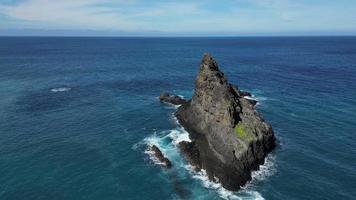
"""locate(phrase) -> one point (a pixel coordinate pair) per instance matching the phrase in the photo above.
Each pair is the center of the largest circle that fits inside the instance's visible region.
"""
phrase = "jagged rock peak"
(213, 94)
(209, 74)
(208, 63)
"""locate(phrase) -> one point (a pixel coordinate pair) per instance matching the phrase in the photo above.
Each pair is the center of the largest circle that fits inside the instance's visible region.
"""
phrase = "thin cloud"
(239, 16)
(68, 14)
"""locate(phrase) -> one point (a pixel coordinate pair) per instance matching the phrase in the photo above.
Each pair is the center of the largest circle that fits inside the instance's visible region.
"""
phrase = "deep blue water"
(76, 113)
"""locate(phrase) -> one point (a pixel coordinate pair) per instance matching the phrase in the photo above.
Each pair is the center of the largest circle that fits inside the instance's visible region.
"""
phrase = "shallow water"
(77, 113)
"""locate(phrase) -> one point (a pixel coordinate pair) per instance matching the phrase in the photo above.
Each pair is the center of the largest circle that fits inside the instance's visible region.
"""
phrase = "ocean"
(76, 114)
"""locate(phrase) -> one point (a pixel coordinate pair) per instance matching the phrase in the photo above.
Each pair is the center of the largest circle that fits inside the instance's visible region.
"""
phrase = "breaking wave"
(167, 141)
(246, 192)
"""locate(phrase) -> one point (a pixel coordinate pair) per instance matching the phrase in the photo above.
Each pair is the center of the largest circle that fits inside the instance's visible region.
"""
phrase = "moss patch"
(242, 133)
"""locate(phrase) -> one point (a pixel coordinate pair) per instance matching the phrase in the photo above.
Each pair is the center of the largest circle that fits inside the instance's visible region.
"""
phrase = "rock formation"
(172, 99)
(244, 93)
(159, 156)
(229, 138)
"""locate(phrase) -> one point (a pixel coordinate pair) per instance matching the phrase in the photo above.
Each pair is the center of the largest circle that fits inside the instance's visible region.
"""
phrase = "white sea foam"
(266, 170)
(171, 106)
(152, 140)
(61, 89)
(153, 157)
(244, 194)
(178, 135)
(203, 177)
(170, 150)
(261, 98)
(160, 140)
(251, 98)
(256, 98)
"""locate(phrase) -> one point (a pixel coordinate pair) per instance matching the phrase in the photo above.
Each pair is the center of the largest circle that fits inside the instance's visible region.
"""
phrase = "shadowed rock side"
(229, 138)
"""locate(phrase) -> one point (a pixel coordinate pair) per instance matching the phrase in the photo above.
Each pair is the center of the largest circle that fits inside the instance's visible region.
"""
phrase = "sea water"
(76, 116)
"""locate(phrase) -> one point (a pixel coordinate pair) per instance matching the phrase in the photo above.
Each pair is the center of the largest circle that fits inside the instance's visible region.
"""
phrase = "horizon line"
(181, 36)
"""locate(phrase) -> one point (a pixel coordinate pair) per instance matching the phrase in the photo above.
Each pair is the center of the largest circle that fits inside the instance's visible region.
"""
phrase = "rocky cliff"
(229, 137)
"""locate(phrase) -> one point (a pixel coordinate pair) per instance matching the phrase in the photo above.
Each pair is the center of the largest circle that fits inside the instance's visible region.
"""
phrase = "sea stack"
(229, 137)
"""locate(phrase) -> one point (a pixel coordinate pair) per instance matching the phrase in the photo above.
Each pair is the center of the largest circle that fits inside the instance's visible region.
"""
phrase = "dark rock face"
(158, 154)
(173, 99)
(191, 153)
(230, 139)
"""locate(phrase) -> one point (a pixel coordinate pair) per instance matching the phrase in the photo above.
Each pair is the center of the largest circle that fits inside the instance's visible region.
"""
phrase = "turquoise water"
(77, 113)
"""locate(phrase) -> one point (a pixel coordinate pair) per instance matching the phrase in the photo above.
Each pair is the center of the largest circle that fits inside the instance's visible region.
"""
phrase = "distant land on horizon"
(110, 33)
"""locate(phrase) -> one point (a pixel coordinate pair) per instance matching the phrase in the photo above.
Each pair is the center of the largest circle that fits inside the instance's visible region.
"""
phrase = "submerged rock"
(173, 99)
(229, 138)
(159, 155)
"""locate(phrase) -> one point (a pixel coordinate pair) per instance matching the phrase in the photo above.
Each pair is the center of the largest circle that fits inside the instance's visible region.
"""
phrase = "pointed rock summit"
(229, 137)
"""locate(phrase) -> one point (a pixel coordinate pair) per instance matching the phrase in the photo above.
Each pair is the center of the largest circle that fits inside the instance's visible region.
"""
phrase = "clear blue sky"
(178, 17)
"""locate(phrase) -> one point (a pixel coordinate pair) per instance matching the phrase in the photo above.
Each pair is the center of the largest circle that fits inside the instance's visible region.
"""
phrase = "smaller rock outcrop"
(159, 156)
(244, 94)
(172, 99)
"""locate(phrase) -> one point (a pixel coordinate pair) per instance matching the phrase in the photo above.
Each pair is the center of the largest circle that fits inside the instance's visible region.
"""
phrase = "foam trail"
(253, 97)
(62, 89)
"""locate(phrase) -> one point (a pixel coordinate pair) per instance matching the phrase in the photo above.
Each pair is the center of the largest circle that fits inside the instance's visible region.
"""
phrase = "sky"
(177, 17)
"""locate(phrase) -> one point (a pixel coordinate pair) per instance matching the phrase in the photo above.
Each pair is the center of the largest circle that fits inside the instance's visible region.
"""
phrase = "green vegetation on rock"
(242, 133)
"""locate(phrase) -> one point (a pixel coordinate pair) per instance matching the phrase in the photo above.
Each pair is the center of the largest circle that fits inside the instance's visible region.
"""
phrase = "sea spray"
(246, 192)
(168, 142)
